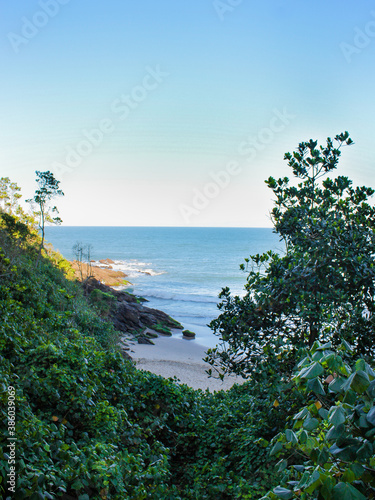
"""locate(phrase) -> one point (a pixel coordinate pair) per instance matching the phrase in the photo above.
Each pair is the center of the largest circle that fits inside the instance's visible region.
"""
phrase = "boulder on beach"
(187, 334)
(145, 340)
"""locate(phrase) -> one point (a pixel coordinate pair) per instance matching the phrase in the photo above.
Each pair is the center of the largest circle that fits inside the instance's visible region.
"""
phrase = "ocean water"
(178, 270)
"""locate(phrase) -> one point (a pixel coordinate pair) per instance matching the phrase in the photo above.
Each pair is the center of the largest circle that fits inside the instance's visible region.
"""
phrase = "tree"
(9, 195)
(48, 188)
(82, 254)
(323, 288)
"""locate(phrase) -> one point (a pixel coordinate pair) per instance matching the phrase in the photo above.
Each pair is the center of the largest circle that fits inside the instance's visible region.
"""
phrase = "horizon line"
(174, 227)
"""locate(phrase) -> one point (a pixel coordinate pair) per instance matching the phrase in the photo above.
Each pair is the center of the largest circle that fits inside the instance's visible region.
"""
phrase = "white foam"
(181, 297)
(131, 268)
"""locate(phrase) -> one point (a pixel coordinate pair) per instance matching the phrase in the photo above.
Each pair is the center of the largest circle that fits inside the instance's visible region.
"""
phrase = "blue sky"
(174, 113)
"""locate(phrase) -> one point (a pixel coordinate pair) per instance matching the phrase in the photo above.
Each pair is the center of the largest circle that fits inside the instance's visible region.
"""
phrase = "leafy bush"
(331, 440)
(102, 300)
(323, 288)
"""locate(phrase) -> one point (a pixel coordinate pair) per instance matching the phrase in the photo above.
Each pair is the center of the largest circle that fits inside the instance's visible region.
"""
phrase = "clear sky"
(174, 112)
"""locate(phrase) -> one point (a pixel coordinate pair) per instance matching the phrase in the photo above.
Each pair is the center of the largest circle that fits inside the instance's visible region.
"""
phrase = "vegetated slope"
(88, 424)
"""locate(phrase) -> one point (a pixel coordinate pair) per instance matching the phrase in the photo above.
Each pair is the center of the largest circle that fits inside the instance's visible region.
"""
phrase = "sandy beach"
(176, 357)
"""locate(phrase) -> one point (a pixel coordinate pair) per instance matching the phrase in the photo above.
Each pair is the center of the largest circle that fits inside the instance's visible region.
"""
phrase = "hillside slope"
(87, 423)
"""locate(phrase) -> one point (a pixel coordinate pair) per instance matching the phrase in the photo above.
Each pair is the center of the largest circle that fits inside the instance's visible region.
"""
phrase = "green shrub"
(102, 301)
(330, 442)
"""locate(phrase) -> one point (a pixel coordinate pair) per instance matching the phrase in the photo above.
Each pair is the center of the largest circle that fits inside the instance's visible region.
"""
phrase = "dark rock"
(188, 334)
(125, 355)
(145, 340)
(152, 335)
(128, 314)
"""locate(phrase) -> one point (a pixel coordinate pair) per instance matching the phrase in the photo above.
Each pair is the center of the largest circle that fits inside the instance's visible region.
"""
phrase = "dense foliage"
(323, 288)
(331, 440)
(89, 425)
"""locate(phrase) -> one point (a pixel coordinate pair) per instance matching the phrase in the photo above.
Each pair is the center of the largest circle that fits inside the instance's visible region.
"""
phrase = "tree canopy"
(48, 188)
(323, 287)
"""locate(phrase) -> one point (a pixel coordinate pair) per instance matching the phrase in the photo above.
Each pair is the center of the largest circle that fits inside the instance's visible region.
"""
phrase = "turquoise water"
(179, 270)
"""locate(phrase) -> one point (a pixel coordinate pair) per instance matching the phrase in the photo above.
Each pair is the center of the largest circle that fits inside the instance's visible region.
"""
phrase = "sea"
(179, 270)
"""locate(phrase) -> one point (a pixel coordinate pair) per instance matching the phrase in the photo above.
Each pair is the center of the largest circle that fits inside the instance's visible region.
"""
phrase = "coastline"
(167, 356)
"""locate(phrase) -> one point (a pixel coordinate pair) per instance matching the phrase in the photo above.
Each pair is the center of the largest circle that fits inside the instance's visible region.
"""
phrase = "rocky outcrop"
(104, 274)
(128, 313)
(106, 261)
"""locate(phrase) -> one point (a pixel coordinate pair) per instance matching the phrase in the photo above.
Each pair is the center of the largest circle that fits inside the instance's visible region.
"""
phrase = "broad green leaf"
(324, 347)
(345, 491)
(316, 345)
(335, 432)
(336, 384)
(282, 465)
(350, 397)
(316, 386)
(291, 436)
(304, 362)
(337, 415)
(276, 448)
(310, 424)
(304, 480)
(299, 468)
(345, 346)
(316, 480)
(348, 476)
(323, 413)
(303, 437)
(360, 365)
(363, 422)
(312, 371)
(77, 485)
(301, 414)
(318, 355)
(358, 470)
(345, 369)
(323, 456)
(329, 360)
(370, 372)
(283, 493)
(326, 489)
(371, 416)
(358, 381)
(346, 453)
(365, 451)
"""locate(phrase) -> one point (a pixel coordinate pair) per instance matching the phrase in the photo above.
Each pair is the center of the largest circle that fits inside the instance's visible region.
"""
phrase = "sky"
(173, 113)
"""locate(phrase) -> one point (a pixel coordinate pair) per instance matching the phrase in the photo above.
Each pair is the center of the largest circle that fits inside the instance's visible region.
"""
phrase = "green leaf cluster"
(328, 452)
